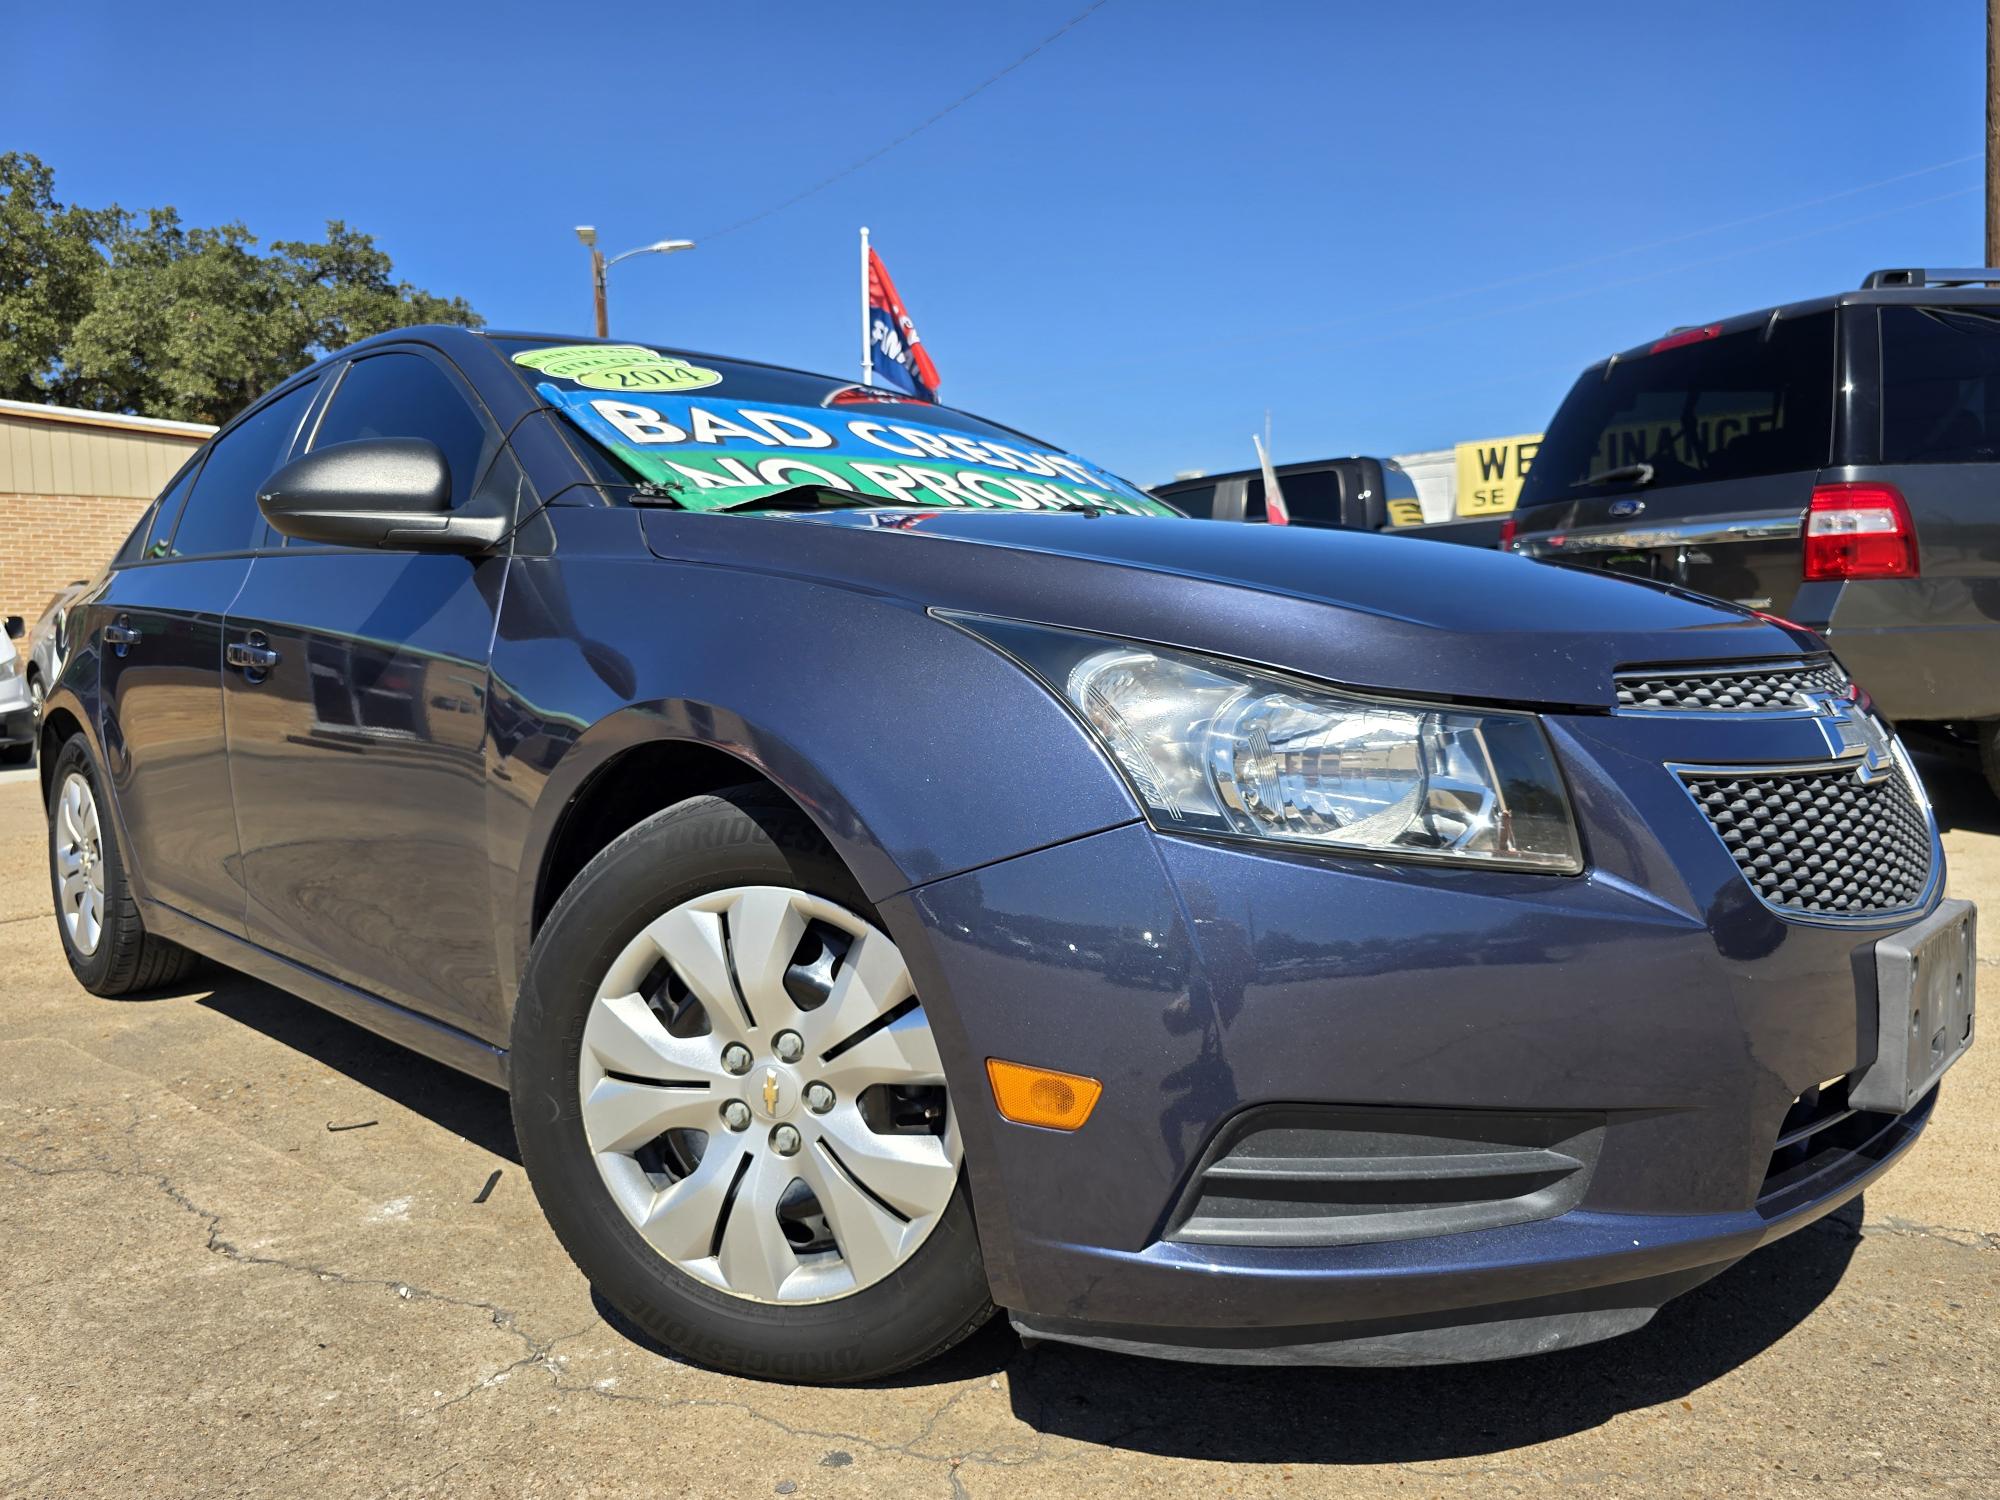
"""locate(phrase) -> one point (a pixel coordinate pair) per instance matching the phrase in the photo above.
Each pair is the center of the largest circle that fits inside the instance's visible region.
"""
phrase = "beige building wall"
(72, 486)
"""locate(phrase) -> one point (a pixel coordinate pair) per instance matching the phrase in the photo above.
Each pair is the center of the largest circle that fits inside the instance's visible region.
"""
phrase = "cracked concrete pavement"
(211, 1288)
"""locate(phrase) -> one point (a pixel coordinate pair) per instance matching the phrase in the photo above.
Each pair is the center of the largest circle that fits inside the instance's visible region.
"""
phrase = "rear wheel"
(103, 936)
(731, 1106)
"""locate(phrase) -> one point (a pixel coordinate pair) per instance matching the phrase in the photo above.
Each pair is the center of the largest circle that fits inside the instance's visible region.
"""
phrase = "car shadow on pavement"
(463, 1105)
(1235, 1414)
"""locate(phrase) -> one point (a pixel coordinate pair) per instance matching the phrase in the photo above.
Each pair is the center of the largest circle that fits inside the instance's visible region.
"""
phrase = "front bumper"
(1528, 1289)
(1654, 999)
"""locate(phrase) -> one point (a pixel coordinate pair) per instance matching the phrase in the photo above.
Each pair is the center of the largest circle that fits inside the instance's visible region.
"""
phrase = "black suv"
(1834, 461)
(1348, 494)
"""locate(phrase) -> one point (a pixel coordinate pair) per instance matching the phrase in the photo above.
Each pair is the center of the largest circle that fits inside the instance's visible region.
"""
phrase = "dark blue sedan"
(899, 868)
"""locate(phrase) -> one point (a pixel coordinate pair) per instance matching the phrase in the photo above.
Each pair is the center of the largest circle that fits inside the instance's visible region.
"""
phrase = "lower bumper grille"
(1821, 1132)
(1297, 1175)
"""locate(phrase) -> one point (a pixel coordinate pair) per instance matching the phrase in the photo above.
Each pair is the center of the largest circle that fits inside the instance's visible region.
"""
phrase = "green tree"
(186, 323)
(146, 314)
(345, 290)
(51, 259)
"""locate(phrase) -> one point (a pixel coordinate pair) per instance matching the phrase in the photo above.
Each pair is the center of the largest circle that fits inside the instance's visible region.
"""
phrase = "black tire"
(128, 959)
(1989, 753)
(740, 836)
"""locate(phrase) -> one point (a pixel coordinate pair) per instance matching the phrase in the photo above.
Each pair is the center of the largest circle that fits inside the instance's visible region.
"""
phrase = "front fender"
(918, 751)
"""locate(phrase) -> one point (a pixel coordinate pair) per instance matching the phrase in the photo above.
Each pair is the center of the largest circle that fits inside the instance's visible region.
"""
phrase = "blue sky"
(1174, 217)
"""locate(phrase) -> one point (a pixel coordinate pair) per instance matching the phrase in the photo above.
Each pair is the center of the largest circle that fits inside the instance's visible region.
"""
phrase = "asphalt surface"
(251, 1250)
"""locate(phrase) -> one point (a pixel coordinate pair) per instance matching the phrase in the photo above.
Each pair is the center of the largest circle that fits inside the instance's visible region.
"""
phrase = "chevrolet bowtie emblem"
(770, 1091)
(1850, 730)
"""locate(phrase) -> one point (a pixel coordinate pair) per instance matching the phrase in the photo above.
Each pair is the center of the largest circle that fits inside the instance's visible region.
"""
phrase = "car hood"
(1393, 614)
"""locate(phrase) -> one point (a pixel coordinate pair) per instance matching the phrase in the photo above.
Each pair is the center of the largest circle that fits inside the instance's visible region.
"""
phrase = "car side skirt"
(434, 1039)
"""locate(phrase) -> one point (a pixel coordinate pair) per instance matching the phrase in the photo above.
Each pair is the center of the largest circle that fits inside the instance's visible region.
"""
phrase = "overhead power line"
(1654, 275)
(883, 150)
(1456, 294)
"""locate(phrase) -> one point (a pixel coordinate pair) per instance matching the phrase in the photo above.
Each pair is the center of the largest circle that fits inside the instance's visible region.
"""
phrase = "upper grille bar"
(1777, 687)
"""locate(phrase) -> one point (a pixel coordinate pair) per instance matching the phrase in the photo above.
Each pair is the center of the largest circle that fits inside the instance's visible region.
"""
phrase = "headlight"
(1213, 747)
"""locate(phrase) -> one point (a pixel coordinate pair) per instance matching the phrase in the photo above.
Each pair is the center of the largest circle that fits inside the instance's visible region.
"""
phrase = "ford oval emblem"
(1629, 506)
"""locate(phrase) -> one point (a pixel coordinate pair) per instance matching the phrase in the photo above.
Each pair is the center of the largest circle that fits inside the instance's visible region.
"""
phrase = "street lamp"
(599, 265)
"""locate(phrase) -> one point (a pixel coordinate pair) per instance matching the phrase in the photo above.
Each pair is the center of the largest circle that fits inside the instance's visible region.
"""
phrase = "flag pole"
(867, 346)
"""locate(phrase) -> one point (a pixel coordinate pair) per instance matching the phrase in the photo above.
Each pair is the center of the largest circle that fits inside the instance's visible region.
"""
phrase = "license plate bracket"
(1925, 979)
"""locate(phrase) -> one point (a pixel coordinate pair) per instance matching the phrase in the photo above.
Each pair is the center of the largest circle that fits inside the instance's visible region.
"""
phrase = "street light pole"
(599, 265)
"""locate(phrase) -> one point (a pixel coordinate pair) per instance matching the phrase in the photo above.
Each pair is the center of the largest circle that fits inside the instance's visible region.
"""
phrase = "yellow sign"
(1490, 473)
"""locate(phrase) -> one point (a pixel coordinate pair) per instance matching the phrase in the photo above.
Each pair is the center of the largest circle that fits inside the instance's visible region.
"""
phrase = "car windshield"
(1704, 408)
(714, 434)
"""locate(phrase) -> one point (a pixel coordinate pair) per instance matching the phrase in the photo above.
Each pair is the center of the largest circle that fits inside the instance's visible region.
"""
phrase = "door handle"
(120, 636)
(255, 655)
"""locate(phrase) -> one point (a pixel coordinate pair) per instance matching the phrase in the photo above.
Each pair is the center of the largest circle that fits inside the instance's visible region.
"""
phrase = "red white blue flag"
(894, 352)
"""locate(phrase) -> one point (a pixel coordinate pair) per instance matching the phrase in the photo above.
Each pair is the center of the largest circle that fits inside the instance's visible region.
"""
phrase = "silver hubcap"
(734, 1174)
(77, 842)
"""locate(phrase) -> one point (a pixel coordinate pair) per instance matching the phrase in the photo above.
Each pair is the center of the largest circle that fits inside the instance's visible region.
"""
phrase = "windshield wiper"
(802, 497)
(799, 497)
(1635, 474)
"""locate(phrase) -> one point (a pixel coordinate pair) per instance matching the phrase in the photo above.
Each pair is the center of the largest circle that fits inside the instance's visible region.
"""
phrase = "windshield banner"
(712, 454)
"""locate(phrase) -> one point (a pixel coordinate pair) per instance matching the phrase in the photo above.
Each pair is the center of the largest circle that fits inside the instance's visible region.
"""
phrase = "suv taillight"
(1507, 529)
(1859, 531)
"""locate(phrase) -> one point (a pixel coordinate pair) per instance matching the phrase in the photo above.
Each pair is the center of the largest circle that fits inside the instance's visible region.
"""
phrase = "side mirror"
(379, 492)
(16, 627)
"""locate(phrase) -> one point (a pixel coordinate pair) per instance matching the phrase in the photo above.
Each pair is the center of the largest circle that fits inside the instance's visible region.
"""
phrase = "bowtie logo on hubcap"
(774, 1091)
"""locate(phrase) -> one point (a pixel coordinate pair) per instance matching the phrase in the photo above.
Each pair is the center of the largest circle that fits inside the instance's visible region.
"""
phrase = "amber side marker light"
(1041, 1096)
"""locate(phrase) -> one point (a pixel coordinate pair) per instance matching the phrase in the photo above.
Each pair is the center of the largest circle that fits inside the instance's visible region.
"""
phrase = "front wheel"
(731, 1106)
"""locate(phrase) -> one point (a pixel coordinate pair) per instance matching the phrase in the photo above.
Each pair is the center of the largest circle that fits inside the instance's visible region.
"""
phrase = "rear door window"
(158, 524)
(1738, 406)
(1940, 385)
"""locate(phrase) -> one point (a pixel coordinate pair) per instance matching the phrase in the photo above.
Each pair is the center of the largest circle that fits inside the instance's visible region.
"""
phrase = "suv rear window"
(1940, 385)
(1198, 501)
(1311, 497)
(1733, 407)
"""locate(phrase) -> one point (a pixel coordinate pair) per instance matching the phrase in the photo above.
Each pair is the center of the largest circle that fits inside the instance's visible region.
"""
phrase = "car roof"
(1927, 295)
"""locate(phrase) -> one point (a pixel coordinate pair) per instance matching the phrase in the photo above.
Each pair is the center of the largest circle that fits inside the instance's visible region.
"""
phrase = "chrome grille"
(1822, 842)
(1775, 687)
